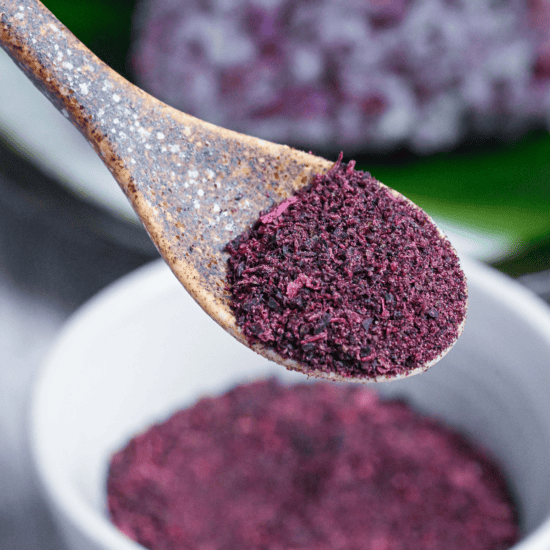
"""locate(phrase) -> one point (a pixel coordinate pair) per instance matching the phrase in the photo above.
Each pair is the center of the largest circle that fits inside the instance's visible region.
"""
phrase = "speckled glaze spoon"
(194, 186)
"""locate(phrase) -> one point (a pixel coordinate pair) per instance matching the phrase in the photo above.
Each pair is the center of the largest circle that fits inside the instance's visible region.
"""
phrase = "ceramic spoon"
(194, 186)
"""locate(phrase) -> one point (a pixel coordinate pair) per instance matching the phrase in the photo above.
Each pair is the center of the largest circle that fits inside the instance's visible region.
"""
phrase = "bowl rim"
(154, 279)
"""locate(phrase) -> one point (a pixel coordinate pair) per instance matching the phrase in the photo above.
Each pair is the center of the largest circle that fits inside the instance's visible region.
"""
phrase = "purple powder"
(345, 278)
(310, 467)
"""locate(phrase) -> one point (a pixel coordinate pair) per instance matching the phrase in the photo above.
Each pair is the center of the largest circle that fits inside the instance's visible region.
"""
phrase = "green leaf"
(501, 188)
(104, 26)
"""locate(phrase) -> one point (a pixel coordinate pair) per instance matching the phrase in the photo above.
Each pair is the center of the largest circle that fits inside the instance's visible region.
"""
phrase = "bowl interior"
(143, 349)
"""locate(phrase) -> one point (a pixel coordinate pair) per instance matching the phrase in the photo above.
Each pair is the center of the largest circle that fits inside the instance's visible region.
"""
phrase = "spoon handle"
(143, 142)
(194, 186)
(75, 80)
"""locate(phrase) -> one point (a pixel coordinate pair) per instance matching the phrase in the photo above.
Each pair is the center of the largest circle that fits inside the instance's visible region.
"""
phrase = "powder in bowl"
(311, 466)
(347, 278)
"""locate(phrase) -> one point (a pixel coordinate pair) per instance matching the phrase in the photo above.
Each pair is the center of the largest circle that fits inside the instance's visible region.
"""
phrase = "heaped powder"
(312, 467)
(346, 278)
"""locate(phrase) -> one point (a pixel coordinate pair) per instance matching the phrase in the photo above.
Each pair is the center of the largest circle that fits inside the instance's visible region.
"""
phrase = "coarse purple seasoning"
(347, 279)
(310, 467)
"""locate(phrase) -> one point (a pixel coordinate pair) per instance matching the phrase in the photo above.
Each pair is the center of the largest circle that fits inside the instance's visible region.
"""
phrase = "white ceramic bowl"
(143, 348)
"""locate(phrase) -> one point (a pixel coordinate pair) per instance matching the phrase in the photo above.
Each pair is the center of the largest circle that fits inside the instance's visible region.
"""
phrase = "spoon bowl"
(194, 186)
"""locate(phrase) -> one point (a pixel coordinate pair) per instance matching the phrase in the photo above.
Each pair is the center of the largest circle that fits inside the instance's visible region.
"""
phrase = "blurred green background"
(492, 187)
(499, 189)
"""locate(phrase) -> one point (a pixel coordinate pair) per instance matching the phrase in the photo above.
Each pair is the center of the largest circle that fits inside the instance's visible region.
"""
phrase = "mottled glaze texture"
(346, 277)
(310, 467)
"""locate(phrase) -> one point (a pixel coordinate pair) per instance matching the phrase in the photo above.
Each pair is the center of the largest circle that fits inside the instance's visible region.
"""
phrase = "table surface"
(54, 254)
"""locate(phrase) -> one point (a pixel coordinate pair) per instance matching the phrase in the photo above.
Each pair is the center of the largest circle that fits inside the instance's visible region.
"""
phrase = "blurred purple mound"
(359, 75)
